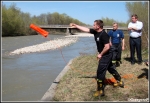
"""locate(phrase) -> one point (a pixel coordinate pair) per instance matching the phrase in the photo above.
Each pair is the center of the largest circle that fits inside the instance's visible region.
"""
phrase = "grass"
(79, 83)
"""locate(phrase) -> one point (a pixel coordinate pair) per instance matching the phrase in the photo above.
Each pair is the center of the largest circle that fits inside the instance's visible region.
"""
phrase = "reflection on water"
(27, 77)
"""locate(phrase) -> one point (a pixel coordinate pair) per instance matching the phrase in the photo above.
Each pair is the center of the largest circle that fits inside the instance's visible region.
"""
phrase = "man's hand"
(99, 56)
(134, 29)
(130, 28)
(82, 28)
(110, 43)
(72, 25)
(123, 48)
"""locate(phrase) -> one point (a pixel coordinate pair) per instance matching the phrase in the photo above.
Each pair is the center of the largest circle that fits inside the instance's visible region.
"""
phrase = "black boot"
(119, 81)
(100, 89)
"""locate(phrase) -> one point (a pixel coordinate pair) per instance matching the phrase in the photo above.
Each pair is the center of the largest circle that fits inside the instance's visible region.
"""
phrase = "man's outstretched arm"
(82, 28)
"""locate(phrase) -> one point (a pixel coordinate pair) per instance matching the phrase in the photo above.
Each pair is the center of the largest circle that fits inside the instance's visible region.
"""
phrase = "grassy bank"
(79, 83)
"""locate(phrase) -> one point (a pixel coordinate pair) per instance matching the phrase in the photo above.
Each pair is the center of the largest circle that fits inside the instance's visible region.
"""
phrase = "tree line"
(16, 23)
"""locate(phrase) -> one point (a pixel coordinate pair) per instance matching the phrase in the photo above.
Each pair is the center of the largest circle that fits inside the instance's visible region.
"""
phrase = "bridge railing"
(67, 26)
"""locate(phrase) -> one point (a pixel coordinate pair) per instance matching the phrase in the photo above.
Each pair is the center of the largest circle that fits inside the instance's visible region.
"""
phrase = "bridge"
(68, 28)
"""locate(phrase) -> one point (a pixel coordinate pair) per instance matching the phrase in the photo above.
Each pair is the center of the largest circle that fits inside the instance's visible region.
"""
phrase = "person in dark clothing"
(117, 44)
(104, 56)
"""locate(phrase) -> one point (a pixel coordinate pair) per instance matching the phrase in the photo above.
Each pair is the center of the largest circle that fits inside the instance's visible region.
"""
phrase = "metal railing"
(67, 26)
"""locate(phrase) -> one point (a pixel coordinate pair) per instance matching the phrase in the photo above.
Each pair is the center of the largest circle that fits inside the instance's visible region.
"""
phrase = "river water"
(27, 77)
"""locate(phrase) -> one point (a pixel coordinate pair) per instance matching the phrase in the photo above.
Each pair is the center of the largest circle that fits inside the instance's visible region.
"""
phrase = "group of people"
(110, 46)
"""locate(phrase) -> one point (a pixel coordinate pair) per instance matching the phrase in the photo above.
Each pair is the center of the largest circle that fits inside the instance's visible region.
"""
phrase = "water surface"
(27, 77)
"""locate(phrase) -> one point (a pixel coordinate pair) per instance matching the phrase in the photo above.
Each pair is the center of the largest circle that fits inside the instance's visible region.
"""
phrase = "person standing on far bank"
(104, 56)
(117, 44)
(135, 32)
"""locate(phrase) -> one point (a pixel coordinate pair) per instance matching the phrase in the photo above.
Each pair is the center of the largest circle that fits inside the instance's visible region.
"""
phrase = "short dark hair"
(135, 15)
(100, 23)
(115, 23)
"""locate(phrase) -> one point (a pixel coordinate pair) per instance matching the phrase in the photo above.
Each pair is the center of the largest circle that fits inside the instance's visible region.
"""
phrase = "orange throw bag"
(38, 29)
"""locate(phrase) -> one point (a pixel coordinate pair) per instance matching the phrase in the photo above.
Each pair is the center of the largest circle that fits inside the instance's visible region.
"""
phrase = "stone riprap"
(49, 45)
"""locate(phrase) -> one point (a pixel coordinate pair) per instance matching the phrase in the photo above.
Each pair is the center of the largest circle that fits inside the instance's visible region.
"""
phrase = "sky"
(84, 11)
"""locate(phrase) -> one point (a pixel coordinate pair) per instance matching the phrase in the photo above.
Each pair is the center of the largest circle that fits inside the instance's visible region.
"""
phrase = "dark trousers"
(117, 50)
(135, 43)
(104, 65)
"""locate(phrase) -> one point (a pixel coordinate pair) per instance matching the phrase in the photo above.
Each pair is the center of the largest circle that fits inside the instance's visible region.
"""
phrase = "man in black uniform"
(104, 55)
